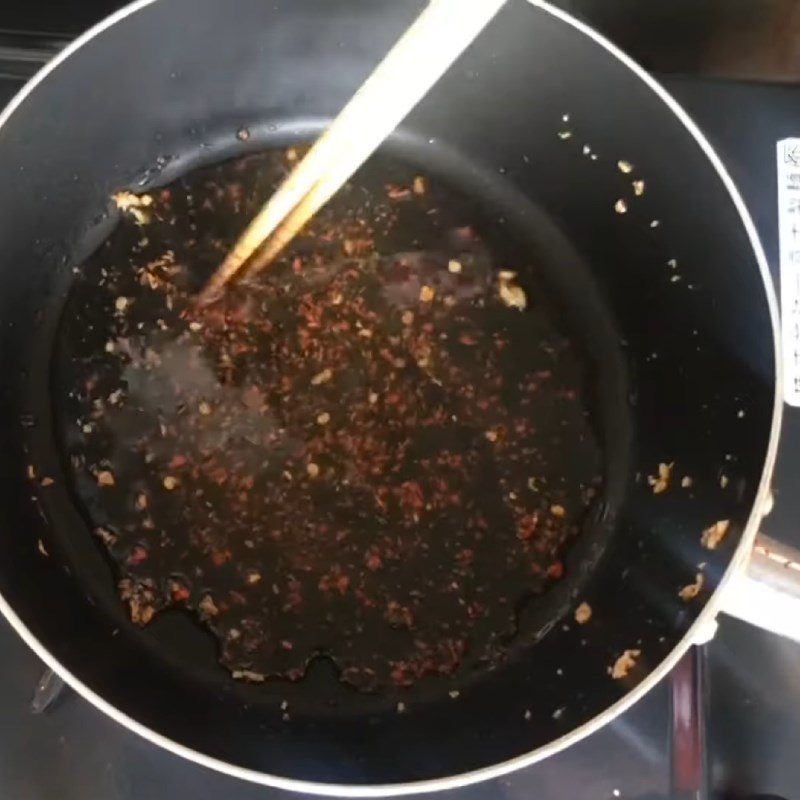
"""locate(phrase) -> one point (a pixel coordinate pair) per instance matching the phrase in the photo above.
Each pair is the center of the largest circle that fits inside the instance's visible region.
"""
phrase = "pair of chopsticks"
(416, 62)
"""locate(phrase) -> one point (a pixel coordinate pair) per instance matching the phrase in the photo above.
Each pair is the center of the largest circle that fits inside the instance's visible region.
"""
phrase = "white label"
(789, 235)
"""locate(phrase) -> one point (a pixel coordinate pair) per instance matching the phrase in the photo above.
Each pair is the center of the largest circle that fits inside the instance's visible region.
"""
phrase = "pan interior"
(562, 347)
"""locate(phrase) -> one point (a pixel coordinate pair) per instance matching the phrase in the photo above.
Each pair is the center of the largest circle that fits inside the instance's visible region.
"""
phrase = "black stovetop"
(72, 752)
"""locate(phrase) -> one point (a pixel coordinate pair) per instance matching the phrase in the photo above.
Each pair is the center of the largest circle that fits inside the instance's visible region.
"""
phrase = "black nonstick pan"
(576, 171)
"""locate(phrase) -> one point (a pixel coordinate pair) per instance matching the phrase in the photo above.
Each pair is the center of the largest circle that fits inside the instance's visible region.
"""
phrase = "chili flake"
(105, 478)
(714, 534)
(454, 266)
(691, 591)
(583, 613)
(624, 664)
(322, 377)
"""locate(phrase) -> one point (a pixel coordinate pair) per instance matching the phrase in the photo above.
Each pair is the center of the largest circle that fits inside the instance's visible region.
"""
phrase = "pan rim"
(695, 632)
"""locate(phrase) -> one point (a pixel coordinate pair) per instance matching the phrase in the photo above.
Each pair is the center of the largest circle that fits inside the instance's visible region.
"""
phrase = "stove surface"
(72, 752)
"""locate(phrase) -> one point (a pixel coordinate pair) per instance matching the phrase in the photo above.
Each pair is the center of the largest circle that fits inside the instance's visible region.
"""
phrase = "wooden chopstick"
(416, 62)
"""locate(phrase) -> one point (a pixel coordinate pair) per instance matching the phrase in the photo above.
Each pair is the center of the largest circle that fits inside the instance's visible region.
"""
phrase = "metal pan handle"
(767, 592)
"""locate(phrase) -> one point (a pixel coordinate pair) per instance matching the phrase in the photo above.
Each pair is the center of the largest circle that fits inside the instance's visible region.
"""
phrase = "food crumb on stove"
(660, 483)
(407, 318)
(324, 418)
(621, 207)
(558, 712)
(558, 511)
(204, 408)
(253, 577)
(528, 715)
(672, 263)
(46, 481)
(243, 134)
(690, 591)
(418, 186)
(31, 472)
(491, 436)
(401, 707)
(583, 613)
(714, 534)
(322, 377)
(121, 303)
(115, 397)
(454, 266)
(454, 694)
(586, 149)
(723, 481)
(426, 294)
(564, 135)
(686, 482)
(284, 705)
(41, 548)
(625, 167)
(638, 188)
(312, 469)
(110, 346)
(170, 482)
(624, 664)
(565, 117)
(373, 398)
(105, 478)
(654, 223)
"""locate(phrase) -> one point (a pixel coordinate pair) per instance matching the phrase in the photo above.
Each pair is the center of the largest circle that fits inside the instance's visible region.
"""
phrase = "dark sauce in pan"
(370, 453)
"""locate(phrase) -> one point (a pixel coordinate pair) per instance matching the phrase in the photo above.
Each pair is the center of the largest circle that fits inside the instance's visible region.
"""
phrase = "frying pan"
(685, 366)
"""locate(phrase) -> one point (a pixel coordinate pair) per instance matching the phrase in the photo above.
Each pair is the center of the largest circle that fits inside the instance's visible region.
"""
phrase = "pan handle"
(767, 592)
